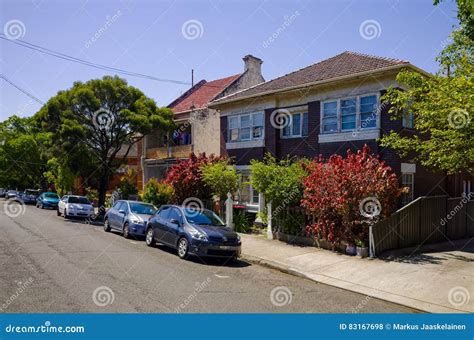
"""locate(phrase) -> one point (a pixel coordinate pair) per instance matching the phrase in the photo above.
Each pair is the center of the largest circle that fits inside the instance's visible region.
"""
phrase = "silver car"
(129, 217)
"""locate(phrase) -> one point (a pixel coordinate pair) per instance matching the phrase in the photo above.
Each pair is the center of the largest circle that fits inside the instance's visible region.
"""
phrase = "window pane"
(234, 135)
(368, 100)
(287, 130)
(348, 122)
(245, 134)
(257, 119)
(330, 109)
(367, 120)
(348, 102)
(257, 132)
(330, 125)
(297, 124)
(245, 121)
(304, 131)
(233, 122)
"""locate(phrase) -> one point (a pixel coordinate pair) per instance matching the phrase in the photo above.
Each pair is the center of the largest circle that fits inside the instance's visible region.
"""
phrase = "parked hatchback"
(129, 217)
(47, 200)
(75, 206)
(10, 194)
(193, 232)
(29, 196)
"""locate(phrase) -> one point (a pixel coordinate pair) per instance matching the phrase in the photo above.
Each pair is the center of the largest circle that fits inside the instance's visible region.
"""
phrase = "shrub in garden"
(157, 193)
(127, 185)
(279, 180)
(186, 179)
(335, 189)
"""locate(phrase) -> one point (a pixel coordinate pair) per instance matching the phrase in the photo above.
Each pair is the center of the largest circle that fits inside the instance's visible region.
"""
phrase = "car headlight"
(238, 238)
(197, 235)
(136, 220)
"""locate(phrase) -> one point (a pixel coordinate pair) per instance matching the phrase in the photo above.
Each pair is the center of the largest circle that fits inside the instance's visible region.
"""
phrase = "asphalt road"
(53, 265)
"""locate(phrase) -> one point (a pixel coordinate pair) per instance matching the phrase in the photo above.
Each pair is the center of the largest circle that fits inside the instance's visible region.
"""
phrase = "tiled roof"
(201, 94)
(344, 64)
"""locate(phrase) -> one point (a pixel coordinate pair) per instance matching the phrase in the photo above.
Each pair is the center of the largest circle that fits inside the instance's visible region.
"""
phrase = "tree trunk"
(103, 183)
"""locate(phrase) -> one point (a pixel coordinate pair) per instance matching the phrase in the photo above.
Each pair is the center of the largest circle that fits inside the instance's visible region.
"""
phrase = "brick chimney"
(253, 69)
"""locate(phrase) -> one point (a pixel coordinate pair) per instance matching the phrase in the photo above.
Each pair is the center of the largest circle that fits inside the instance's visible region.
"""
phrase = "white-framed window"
(348, 114)
(408, 120)
(245, 127)
(297, 126)
(408, 180)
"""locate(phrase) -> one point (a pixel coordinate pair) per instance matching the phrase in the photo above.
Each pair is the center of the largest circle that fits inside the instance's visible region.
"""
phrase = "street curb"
(418, 305)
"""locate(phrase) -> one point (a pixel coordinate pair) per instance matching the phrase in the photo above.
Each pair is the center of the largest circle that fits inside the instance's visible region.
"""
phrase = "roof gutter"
(320, 82)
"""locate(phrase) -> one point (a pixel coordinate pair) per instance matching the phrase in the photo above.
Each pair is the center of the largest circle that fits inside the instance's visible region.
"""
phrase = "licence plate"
(226, 247)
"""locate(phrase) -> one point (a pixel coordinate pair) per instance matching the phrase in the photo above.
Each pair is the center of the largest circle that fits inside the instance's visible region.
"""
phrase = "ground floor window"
(247, 193)
(466, 188)
(408, 180)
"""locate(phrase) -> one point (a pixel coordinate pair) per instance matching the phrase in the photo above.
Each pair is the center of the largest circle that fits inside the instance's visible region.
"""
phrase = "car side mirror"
(174, 221)
(121, 211)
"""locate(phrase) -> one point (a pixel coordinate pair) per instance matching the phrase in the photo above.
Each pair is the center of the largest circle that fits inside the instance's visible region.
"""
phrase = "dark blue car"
(47, 200)
(193, 232)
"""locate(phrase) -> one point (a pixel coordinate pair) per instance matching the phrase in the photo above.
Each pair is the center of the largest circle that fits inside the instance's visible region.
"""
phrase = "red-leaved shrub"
(186, 177)
(335, 189)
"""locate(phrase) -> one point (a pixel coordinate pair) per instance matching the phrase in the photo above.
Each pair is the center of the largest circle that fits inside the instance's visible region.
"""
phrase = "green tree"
(22, 160)
(442, 104)
(221, 177)
(99, 118)
(60, 175)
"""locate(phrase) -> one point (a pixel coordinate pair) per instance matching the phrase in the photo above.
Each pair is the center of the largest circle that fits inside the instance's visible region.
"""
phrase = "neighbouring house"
(198, 127)
(325, 108)
(131, 162)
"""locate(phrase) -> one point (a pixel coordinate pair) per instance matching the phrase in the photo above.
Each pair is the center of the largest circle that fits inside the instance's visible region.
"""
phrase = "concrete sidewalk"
(438, 282)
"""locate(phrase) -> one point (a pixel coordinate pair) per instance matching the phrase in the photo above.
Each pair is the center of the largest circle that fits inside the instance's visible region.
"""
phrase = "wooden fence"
(427, 219)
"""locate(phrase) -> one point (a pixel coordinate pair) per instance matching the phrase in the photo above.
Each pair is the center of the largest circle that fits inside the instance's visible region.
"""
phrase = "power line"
(21, 89)
(87, 63)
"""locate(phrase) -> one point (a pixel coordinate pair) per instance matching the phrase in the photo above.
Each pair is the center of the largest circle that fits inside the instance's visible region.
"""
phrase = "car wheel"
(183, 248)
(58, 212)
(149, 239)
(65, 213)
(106, 225)
(126, 231)
(41, 206)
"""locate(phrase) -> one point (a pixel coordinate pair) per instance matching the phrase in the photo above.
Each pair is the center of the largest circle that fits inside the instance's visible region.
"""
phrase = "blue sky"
(147, 37)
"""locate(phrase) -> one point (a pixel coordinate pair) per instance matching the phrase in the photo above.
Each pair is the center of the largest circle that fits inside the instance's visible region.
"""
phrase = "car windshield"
(142, 208)
(51, 195)
(78, 200)
(203, 217)
(31, 192)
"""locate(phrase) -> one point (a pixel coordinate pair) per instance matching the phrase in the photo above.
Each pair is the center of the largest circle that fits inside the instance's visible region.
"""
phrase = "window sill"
(349, 136)
(245, 145)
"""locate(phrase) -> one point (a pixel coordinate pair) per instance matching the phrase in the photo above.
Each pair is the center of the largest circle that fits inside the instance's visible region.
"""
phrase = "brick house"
(197, 125)
(325, 108)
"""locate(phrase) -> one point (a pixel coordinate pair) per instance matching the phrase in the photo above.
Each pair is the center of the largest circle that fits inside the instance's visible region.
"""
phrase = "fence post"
(261, 207)
(229, 213)
(269, 221)
(371, 240)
